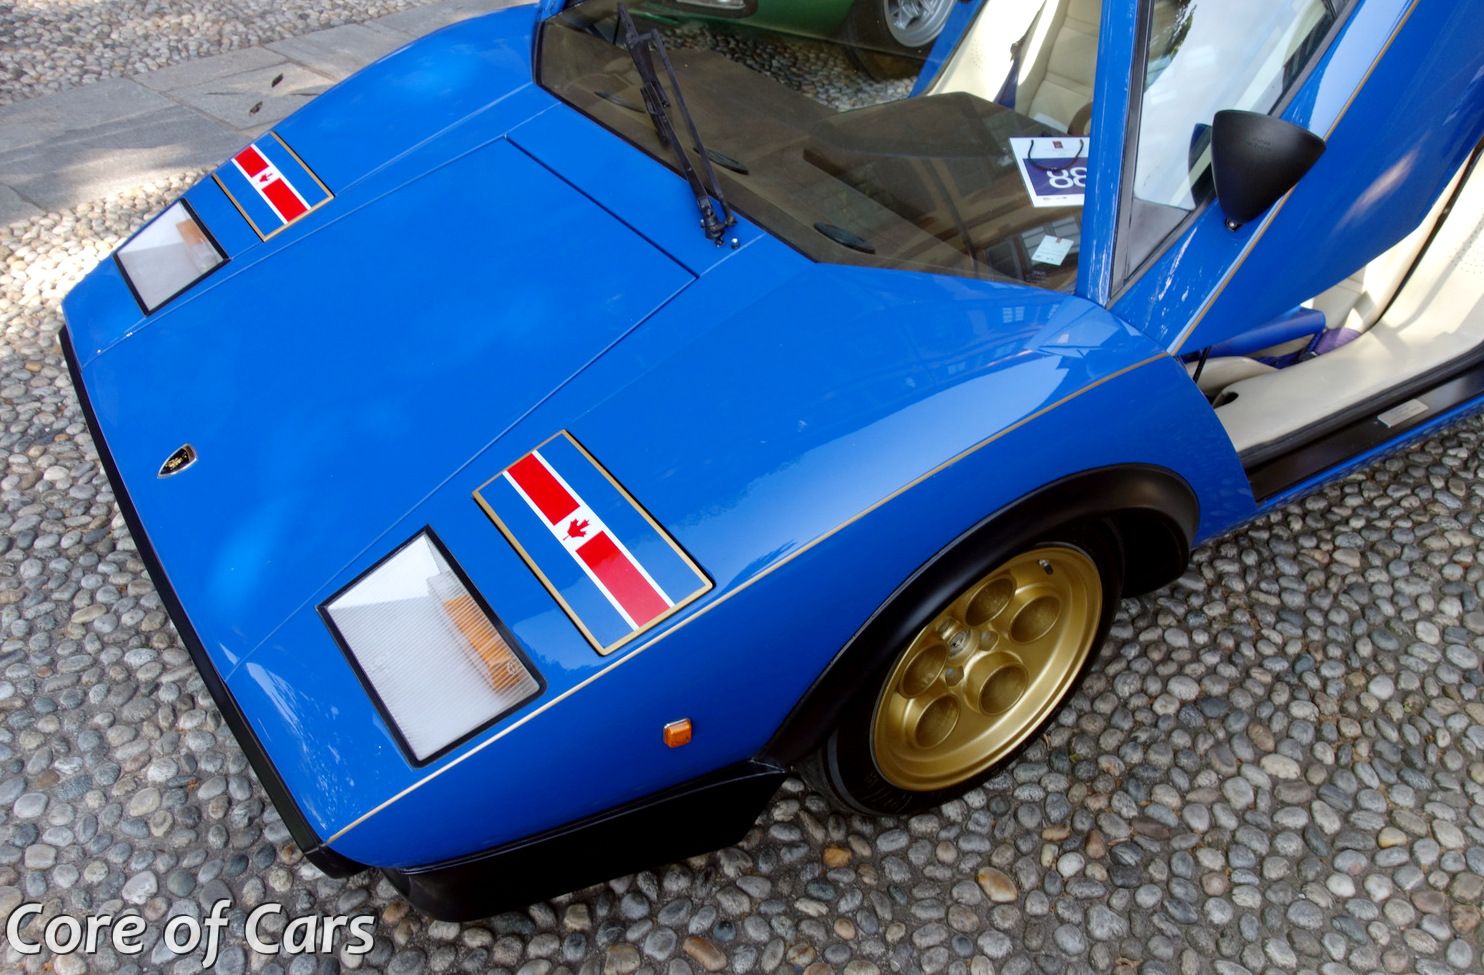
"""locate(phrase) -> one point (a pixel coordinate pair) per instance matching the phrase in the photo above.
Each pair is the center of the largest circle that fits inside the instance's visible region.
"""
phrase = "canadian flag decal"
(607, 562)
(271, 186)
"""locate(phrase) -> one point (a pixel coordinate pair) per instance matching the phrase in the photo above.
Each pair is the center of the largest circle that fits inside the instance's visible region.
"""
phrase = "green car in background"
(899, 29)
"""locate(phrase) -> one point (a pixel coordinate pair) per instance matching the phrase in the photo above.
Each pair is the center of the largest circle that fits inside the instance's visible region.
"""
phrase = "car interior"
(1410, 312)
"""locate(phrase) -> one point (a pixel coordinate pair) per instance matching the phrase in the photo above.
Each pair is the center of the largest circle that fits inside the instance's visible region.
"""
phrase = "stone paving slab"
(62, 150)
(13, 208)
(341, 51)
(55, 175)
(206, 70)
(62, 116)
(252, 101)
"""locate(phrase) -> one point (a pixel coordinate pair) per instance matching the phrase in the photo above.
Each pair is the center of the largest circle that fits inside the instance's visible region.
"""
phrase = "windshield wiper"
(716, 216)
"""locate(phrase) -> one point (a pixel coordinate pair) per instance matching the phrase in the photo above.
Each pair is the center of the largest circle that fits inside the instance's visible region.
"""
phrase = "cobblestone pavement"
(49, 45)
(1277, 767)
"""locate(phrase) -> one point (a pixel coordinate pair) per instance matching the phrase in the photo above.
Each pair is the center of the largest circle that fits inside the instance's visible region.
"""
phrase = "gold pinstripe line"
(1273, 213)
(728, 595)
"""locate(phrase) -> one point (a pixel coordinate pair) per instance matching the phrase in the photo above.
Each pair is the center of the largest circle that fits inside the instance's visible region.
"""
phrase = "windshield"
(822, 140)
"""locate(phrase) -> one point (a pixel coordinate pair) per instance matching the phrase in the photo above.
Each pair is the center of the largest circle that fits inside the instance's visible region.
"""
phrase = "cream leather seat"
(1056, 79)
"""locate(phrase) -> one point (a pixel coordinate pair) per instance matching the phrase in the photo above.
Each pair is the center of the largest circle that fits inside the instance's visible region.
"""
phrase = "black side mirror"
(1257, 158)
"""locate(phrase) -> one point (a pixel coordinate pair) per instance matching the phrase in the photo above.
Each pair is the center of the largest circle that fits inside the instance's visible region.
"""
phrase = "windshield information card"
(1054, 169)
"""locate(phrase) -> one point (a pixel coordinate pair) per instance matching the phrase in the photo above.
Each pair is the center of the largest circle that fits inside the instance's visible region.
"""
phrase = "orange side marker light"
(678, 733)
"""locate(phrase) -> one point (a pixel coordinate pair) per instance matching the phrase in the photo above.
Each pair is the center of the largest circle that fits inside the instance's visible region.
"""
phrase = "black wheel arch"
(1152, 510)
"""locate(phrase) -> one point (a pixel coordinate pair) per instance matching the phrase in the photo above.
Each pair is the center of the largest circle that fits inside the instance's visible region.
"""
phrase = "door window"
(1204, 56)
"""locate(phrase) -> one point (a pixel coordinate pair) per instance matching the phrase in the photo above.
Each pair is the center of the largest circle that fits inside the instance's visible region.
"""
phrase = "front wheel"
(982, 678)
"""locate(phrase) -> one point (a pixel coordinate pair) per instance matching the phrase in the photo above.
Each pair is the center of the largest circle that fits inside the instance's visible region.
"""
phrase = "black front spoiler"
(315, 851)
(702, 815)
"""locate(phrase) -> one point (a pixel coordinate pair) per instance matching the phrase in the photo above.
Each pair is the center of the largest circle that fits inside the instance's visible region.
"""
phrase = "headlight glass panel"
(438, 662)
(168, 256)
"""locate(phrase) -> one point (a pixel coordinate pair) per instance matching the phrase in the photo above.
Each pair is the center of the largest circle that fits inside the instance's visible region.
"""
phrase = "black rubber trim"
(702, 815)
(1153, 510)
(326, 859)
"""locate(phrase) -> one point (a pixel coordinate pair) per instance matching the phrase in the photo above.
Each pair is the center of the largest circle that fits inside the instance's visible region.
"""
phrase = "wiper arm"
(642, 47)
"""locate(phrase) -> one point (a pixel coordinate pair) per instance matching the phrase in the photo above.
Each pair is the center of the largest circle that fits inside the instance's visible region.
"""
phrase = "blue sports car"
(557, 432)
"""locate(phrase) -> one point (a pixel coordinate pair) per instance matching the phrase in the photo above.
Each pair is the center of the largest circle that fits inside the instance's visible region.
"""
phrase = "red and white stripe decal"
(276, 191)
(611, 567)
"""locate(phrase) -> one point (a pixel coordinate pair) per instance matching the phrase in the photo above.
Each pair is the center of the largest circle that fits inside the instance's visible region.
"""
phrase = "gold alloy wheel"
(979, 679)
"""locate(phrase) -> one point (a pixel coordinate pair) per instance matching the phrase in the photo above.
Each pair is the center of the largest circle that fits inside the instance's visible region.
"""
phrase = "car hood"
(329, 387)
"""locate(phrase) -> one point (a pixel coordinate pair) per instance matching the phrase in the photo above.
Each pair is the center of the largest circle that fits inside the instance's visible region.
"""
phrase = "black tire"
(875, 46)
(844, 769)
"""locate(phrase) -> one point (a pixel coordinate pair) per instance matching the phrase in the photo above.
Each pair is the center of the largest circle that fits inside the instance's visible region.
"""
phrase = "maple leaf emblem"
(577, 529)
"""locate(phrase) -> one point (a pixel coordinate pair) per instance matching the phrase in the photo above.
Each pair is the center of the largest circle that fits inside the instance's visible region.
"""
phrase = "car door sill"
(1275, 468)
